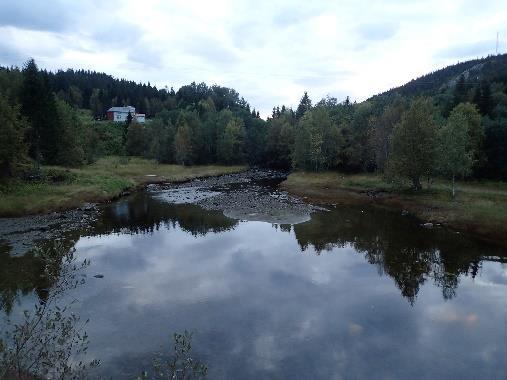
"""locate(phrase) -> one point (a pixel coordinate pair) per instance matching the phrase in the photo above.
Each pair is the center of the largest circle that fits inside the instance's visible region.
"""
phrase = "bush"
(56, 175)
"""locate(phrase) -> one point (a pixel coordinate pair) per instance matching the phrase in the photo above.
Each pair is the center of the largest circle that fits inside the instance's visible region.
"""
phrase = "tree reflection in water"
(47, 340)
(402, 250)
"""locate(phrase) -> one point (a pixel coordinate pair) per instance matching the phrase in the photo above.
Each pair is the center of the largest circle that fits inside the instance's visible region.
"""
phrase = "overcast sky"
(269, 51)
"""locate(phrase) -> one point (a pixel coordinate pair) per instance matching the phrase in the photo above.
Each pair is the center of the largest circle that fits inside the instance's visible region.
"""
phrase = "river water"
(351, 293)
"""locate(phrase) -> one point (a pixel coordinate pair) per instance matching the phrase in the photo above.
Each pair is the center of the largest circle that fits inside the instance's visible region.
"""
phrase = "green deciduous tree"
(455, 153)
(135, 144)
(231, 144)
(317, 141)
(280, 141)
(382, 130)
(475, 131)
(71, 139)
(183, 147)
(413, 145)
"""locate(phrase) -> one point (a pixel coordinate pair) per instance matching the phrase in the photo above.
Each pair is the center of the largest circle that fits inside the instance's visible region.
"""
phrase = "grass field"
(479, 207)
(103, 180)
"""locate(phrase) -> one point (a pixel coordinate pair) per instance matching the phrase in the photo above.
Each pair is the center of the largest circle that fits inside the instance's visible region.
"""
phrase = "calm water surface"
(352, 293)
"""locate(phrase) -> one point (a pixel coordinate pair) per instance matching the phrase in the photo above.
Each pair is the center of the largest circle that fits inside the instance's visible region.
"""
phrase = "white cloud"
(270, 53)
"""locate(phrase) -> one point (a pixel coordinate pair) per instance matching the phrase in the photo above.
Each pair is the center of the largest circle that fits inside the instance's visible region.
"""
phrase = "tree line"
(459, 131)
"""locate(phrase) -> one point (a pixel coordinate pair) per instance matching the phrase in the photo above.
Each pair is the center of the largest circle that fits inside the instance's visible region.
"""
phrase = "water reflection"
(46, 340)
(398, 247)
(143, 213)
(312, 300)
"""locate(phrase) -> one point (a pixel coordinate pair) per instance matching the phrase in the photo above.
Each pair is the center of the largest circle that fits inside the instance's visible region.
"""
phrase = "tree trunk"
(453, 187)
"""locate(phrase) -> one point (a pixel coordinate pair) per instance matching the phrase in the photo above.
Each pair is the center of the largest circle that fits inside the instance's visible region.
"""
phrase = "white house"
(120, 114)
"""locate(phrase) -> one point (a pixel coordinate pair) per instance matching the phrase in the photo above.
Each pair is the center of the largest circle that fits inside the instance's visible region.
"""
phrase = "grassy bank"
(105, 179)
(479, 207)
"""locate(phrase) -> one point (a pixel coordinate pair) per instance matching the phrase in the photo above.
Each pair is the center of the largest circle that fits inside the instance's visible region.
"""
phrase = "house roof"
(122, 109)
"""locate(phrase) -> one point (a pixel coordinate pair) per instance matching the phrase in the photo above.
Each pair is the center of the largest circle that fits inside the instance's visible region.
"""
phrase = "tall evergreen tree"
(304, 105)
(12, 147)
(482, 97)
(38, 105)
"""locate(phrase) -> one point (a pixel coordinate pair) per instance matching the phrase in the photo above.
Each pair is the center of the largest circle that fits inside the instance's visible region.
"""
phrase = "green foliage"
(12, 129)
(200, 124)
(280, 142)
(38, 105)
(317, 141)
(135, 143)
(413, 145)
(70, 149)
(160, 140)
(231, 144)
(48, 339)
(455, 156)
(381, 131)
(475, 130)
(304, 105)
(495, 148)
(184, 150)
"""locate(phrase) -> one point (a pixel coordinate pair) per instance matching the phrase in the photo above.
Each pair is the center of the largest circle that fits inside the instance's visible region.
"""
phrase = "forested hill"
(99, 91)
(489, 69)
(41, 117)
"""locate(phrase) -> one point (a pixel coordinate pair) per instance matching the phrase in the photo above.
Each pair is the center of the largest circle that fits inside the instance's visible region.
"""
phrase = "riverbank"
(479, 208)
(107, 179)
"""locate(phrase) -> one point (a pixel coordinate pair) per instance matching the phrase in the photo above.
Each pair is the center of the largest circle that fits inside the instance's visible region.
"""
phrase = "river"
(349, 292)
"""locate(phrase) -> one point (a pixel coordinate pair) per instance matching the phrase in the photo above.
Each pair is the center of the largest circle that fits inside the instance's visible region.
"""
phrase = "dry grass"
(104, 180)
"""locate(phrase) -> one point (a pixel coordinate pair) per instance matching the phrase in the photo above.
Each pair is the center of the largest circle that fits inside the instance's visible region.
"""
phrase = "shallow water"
(352, 293)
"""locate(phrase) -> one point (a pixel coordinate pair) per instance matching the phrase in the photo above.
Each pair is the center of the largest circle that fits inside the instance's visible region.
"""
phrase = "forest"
(451, 123)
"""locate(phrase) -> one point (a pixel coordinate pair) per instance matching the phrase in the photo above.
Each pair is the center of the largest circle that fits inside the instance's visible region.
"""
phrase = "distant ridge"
(490, 69)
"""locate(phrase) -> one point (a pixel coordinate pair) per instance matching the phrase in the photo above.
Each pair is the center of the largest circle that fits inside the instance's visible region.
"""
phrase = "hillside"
(490, 69)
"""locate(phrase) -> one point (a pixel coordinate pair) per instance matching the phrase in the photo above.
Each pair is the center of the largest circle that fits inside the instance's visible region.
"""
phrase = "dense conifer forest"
(450, 123)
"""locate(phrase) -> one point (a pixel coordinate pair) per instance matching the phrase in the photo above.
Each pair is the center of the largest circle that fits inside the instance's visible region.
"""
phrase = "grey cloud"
(145, 56)
(469, 50)
(294, 15)
(38, 15)
(11, 56)
(119, 34)
(210, 50)
(378, 31)
(249, 34)
(288, 17)
(321, 78)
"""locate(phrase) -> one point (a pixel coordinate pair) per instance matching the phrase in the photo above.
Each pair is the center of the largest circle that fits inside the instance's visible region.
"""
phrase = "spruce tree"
(38, 105)
(304, 105)
(12, 147)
